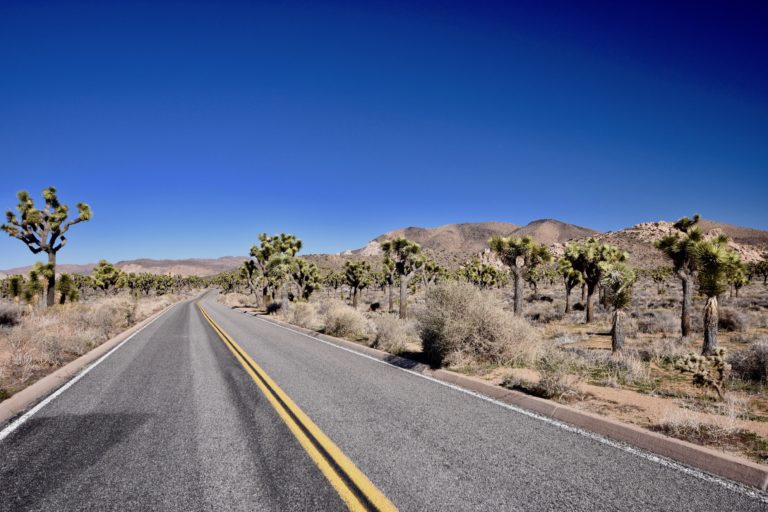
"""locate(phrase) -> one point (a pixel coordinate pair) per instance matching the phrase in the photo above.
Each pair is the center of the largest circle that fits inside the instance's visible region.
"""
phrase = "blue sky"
(191, 127)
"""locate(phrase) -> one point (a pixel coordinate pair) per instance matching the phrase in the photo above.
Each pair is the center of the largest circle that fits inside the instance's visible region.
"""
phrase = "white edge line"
(13, 426)
(663, 461)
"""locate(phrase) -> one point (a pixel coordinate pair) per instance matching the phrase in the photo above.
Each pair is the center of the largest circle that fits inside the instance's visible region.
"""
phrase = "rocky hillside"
(188, 267)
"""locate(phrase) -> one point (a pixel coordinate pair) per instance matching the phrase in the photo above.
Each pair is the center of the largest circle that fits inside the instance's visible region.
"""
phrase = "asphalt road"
(172, 421)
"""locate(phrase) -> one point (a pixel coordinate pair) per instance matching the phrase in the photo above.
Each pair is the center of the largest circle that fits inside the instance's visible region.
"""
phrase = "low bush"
(659, 321)
(10, 314)
(732, 320)
(273, 308)
(344, 321)
(391, 333)
(751, 364)
(461, 323)
(302, 314)
(235, 300)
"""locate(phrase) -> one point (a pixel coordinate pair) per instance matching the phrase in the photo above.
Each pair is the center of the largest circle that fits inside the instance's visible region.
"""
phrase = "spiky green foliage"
(334, 280)
(660, 275)
(521, 255)
(709, 371)
(680, 248)
(16, 286)
(571, 279)
(482, 275)
(431, 272)
(358, 276)
(107, 277)
(67, 289)
(617, 280)
(306, 275)
(589, 258)
(272, 258)
(405, 255)
(737, 277)
(42, 230)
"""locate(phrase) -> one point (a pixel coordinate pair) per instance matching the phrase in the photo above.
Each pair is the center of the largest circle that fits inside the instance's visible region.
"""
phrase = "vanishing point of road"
(210, 409)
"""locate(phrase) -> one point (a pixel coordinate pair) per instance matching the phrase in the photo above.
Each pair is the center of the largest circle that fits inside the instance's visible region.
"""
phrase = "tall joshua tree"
(270, 248)
(571, 279)
(587, 257)
(306, 275)
(43, 230)
(714, 262)
(406, 256)
(389, 273)
(680, 248)
(107, 276)
(521, 255)
(617, 281)
(358, 276)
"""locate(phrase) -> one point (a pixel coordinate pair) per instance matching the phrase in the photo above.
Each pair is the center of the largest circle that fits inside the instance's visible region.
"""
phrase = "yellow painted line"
(354, 488)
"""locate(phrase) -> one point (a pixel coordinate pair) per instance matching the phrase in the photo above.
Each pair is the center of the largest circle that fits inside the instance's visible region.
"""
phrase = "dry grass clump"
(391, 333)
(461, 323)
(659, 321)
(611, 369)
(733, 320)
(235, 300)
(664, 351)
(344, 321)
(303, 314)
(10, 314)
(751, 364)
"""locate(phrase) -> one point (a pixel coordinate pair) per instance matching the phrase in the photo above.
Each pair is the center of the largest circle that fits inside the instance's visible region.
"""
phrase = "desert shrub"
(664, 351)
(461, 322)
(557, 378)
(709, 372)
(274, 307)
(605, 367)
(751, 364)
(235, 300)
(10, 314)
(732, 320)
(111, 315)
(659, 321)
(391, 333)
(302, 314)
(344, 321)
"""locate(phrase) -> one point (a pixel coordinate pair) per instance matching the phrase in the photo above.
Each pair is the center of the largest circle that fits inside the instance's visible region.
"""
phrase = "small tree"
(43, 230)
(660, 275)
(521, 255)
(107, 277)
(406, 256)
(482, 275)
(714, 261)
(617, 281)
(335, 279)
(389, 275)
(271, 259)
(16, 286)
(358, 276)
(571, 279)
(589, 258)
(680, 248)
(67, 289)
(306, 275)
(431, 272)
(737, 278)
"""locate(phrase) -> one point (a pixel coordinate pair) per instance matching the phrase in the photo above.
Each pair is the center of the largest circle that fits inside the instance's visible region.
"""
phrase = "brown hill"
(187, 267)
(551, 231)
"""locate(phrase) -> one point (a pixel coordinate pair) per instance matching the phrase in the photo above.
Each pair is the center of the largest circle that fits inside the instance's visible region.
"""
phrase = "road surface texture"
(173, 421)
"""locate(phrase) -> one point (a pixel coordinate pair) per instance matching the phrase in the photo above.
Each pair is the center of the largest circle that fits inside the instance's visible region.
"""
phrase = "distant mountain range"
(452, 244)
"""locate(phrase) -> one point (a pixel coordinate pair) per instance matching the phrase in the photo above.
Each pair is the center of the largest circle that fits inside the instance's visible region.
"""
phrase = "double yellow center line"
(357, 492)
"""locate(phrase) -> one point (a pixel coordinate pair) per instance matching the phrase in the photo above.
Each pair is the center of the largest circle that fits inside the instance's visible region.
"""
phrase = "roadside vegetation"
(681, 349)
(48, 318)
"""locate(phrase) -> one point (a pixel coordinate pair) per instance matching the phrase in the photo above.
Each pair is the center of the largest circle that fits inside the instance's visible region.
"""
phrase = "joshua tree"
(571, 279)
(659, 275)
(737, 278)
(714, 261)
(43, 230)
(389, 274)
(16, 286)
(520, 255)
(680, 248)
(67, 289)
(482, 275)
(431, 272)
(405, 254)
(358, 276)
(107, 277)
(270, 258)
(335, 279)
(34, 285)
(248, 271)
(587, 257)
(617, 281)
(306, 275)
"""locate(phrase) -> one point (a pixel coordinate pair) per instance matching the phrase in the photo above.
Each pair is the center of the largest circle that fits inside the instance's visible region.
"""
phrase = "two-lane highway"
(178, 419)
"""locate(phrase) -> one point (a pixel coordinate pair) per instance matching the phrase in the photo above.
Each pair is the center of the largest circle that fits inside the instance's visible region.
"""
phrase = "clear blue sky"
(190, 127)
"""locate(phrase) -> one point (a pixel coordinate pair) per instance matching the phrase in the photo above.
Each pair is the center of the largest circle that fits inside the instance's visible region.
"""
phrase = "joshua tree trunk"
(403, 297)
(590, 301)
(265, 296)
(567, 300)
(51, 299)
(618, 332)
(583, 292)
(391, 298)
(518, 273)
(685, 317)
(710, 326)
(354, 298)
